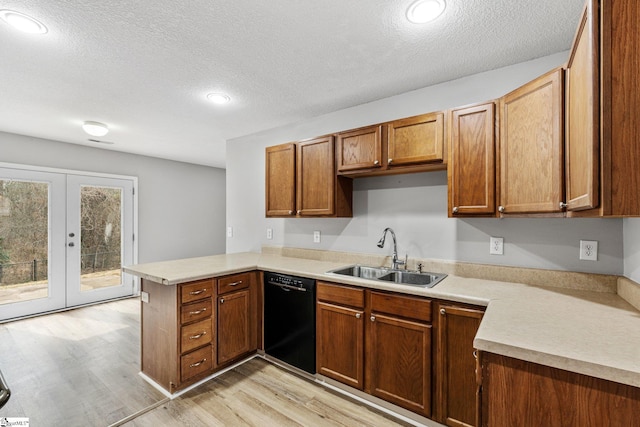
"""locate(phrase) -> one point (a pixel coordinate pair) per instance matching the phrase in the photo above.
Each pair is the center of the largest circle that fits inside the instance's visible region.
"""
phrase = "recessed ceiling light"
(423, 11)
(218, 98)
(23, 22)
(95, 128)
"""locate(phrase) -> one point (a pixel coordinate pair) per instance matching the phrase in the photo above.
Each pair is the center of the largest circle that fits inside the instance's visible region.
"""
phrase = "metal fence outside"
(38, 269)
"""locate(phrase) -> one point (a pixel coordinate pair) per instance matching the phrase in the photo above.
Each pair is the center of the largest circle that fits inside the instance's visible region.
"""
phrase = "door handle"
(71, 244)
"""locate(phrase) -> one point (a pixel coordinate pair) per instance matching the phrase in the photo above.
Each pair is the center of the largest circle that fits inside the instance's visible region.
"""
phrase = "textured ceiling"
(145, 67)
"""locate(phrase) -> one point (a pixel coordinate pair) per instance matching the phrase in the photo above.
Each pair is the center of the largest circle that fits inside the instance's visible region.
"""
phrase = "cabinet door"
(316, 177)
(359, 149)
(472, 164)
(416, 140)
(234, 325)
(457, 386)
(340, 339)
(531, 160)
(399, 362)
(582, 143)
(280, 180)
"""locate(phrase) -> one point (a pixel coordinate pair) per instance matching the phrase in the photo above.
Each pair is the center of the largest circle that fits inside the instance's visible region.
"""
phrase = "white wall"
(413, 205)
(631, 229)
(181, 207)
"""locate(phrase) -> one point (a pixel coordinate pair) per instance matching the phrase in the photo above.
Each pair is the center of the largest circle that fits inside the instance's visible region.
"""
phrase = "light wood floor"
(80, 368)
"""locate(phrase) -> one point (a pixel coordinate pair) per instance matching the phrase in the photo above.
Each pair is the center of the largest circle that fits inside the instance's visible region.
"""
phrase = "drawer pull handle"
(195, 313)
(239, 282)
(195, 365)
(197, 292)
(198, 336)
(475, 354)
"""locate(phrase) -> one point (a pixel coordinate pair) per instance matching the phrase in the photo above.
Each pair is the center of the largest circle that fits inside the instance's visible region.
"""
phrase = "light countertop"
(592, 333)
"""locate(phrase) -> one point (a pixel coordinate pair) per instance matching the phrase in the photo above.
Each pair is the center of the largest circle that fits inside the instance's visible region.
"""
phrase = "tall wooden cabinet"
(471, 172)
(301, 181)
(457, 391)
(531, 155)
(603, 104)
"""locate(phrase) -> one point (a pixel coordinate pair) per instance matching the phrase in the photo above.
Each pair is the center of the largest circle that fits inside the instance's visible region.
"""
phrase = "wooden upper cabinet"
(531, 154)
(280, 166)
(472, 161)
(359, 149)
(301, 181)
(415, 140)
(582, 140)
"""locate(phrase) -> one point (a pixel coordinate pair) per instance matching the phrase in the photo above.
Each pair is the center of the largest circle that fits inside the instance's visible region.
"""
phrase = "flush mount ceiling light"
(22, 22)
(95, 128)
(423, 11)
(218, 98)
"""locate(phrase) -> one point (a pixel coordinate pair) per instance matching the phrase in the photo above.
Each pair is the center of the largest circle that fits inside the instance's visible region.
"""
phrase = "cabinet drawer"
(408, 307)
(195, 311)
(234, 283)
(196, 363)
(195, 335)
(196, 290)
(342, 295)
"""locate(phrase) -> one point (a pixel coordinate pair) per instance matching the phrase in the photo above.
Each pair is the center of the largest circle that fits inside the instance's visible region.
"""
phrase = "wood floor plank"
(80, 367)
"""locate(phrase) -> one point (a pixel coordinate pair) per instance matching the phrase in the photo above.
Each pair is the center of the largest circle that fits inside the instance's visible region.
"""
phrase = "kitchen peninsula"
(566, 323)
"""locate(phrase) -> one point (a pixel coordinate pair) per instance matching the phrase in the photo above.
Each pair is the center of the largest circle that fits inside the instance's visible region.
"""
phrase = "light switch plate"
(589, 250)
(496, 245)
(144, 296)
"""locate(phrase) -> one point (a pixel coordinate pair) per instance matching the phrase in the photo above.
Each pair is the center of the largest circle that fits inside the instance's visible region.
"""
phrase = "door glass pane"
(24, 241)
(100, 237)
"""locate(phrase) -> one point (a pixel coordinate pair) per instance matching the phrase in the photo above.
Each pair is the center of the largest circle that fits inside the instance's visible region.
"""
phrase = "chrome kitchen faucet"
(395, 261)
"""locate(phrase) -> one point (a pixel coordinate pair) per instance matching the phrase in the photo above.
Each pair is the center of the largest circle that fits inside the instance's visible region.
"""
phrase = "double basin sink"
(404, 277)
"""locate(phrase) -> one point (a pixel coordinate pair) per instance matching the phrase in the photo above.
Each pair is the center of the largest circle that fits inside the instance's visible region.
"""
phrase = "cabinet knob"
(71, 244)
(221, 300)
(373, 318)
(299, 212)
(563, 205)
(376, 162)
(501, 209)
(443, 311)
(358, 315)
(455, 209)
(475, 354)
(290, 212)
(389, 161)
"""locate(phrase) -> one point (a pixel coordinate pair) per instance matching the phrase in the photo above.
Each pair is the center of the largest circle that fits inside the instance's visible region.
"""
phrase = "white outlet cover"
(229, 231)
(269, 233)
(589, 250)
(496, 246)
(316, 237)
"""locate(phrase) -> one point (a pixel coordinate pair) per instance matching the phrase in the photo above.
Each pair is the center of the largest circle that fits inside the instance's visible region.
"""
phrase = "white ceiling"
(145, 67)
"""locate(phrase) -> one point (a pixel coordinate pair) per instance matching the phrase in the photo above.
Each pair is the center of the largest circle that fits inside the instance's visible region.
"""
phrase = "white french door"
(63, 240)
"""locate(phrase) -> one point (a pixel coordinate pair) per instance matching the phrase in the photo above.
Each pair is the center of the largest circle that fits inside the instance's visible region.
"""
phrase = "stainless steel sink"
(362, 271)
(404, 277)
(427, 280)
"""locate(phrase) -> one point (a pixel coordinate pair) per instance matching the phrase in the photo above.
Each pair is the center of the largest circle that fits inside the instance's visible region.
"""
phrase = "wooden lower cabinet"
(340, 334)
(377, 342)
(190, 330)
(519, 393)
(456, 385)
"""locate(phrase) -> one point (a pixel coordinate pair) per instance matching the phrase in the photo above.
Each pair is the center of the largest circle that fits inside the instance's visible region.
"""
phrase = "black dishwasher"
(290, 320)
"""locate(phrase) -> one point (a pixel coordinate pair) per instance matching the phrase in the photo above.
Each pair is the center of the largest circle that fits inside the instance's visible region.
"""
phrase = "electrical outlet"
(316, 237)
(229, 231)
(496, 246)
(269, 233)
(589, 250)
